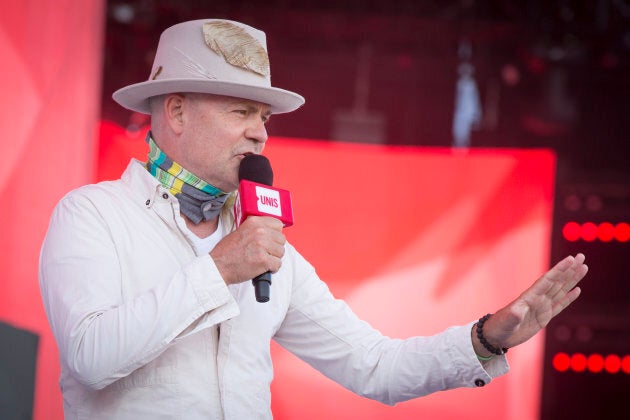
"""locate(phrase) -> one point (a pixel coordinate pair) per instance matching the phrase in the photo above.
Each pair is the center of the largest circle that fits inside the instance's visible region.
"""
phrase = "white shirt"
(147, 328)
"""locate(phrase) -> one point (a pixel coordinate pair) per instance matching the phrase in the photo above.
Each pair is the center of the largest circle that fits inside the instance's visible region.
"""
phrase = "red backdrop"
(50, 82)
(415, 239)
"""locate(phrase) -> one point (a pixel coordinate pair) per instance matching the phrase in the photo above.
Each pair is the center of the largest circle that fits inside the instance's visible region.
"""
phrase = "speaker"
(18, 356)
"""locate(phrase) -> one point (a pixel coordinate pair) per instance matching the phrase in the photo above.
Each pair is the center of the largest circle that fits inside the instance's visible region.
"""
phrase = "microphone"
(257, 197)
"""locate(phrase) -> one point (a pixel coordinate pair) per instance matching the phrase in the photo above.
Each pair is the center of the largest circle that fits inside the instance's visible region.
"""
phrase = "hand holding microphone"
(256, 197)
(255, 247)
(261, 211)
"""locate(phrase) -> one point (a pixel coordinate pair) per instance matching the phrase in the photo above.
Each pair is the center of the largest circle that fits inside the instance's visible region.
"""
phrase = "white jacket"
(148, 329)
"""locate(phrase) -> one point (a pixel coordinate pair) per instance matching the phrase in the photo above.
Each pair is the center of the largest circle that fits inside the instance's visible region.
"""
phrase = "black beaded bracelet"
(482, 339)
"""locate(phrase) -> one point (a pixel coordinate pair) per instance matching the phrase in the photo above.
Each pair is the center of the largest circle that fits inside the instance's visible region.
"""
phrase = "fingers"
(564, 278)
(271, 248)
(565, 301)
(255, 247)
(568, 263)
(564, 275)
(266, 237)
(536, 306)
(559, 281)
(580, 258)
(570, 277)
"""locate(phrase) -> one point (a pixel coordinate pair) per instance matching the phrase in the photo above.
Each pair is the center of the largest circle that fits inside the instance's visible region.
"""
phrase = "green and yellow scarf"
(198, 200)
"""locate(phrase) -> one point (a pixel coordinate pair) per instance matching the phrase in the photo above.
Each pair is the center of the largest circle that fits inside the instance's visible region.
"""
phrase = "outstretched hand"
(535, 307)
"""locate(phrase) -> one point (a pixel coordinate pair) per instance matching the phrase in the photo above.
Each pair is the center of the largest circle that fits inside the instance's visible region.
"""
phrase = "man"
(145, 280)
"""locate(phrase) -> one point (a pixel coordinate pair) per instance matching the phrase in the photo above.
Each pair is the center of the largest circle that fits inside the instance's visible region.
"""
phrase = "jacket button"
(479, 382)
(165, 196)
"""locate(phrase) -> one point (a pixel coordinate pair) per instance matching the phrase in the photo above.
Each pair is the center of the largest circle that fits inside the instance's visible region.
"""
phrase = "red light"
(589, 231)
(622, 232)
(595, 363)
(605, 232)
(612, 363)
(578, 362)
(571, 231)
(561, 362)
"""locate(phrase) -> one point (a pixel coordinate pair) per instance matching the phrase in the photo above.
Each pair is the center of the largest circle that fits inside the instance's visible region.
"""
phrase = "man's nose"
(257, 132)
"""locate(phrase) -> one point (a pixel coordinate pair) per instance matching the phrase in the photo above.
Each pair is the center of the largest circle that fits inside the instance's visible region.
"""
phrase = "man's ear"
(173, 111)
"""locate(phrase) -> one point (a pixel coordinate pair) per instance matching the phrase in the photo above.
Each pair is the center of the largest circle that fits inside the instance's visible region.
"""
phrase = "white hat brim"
(136, 97)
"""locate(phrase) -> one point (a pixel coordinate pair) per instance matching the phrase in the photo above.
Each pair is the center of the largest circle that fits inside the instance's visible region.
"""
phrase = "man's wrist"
(482, 353)
(493, 348)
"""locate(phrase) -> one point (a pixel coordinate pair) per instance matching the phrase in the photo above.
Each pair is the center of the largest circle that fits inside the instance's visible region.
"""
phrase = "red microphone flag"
(256, 199)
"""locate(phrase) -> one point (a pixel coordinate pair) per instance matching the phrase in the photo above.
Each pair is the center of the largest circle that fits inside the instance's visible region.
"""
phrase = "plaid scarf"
(198, 200)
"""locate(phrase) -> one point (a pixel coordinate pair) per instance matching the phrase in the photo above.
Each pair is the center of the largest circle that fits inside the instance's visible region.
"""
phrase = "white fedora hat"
(213, 56)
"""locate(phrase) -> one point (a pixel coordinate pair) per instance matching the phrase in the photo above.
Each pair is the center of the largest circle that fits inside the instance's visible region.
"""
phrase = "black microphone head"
(256, 168)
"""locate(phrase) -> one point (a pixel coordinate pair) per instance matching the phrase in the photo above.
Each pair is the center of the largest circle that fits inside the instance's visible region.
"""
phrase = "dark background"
(553, 74)
(571, 59)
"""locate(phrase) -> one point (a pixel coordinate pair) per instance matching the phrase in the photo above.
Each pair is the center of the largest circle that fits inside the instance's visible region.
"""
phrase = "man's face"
(218, 132)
